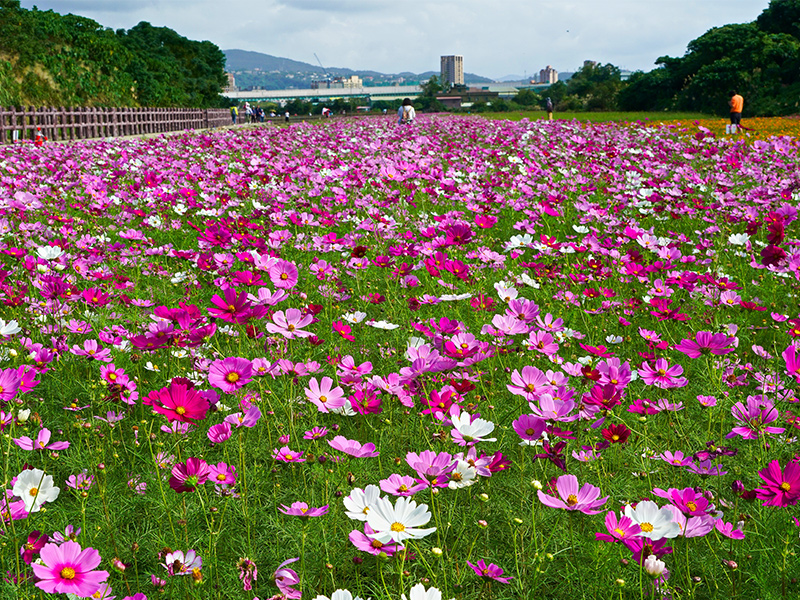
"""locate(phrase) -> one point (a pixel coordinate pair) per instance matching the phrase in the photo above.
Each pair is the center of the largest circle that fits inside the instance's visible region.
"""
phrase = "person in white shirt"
(406, 112)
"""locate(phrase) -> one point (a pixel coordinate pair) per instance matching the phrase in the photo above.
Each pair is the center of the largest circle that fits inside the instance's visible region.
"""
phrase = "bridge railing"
(62, 123)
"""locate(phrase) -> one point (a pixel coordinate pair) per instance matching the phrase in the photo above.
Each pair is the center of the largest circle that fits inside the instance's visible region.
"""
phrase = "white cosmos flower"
(355, 317)
(454, 297)
(9, 328)
(418, 592)
(339, 595)
(49, 252)
(464, 475)
(382, 325)
(468, 431)
(738, 239)
(35, 488)
(655, 523)
(359, 502)
(399, 522)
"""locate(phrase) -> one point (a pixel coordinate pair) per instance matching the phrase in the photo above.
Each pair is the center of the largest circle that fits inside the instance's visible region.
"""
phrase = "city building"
(548, 75)
(452, 70)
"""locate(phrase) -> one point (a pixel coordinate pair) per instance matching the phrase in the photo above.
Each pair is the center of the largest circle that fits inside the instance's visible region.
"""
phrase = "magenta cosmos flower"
(286, 455)
(491, 571)
(706, 342)
(68, 569)
(585, 500)
(178, 402)
(42, 442)
(353, 447)
(290, 324)
(781, 487)
(283, 275)
(230, 374)
(187, 476)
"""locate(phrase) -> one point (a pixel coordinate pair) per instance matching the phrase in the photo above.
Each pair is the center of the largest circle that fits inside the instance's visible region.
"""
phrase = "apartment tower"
(453, 70)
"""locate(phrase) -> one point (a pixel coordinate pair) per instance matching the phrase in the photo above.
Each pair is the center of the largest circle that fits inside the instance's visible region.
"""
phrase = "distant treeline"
(48, 59)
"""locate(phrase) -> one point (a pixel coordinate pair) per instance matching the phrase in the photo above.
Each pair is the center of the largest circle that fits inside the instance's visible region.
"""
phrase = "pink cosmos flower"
(662, 376)
(530, 383)
(232, 308)
(315, 433)
(283, 274)
(286, 579)
(728, 531)
(705, 341)
(343, 329)
(230, 374)
(10, 380)
(363, 542)
(286, 455)
(529, 428)
(41, 442)
(324, 396)
(398, 485)
(69, 569)
(290, 324)
(219, 433)
(353, 447)
(585, 500)
(36, 541)
(754, 418)
(491, 571)
(301, 509)
(222, 474)
(93, 351)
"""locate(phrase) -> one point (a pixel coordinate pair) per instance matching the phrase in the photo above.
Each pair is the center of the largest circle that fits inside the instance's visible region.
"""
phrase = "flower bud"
(536, 484)
(653, 566)
(483, 524)
(437, 552)
(483, 497)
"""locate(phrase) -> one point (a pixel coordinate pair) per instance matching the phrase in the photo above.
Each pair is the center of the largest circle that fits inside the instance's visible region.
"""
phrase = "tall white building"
(453, 70)
(548, 75)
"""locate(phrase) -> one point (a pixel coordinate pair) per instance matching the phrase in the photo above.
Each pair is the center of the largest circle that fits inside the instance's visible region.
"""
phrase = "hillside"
(48, 59)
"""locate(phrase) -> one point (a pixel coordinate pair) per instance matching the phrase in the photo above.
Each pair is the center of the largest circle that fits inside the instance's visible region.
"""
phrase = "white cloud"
(392, 36)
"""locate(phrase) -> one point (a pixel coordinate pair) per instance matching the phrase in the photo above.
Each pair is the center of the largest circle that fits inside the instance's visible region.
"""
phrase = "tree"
(431, 87)
(527, 97)
(781, 16)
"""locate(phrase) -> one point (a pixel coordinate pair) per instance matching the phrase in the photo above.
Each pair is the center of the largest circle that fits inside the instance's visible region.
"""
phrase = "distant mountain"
(255, 69)
(505, 78)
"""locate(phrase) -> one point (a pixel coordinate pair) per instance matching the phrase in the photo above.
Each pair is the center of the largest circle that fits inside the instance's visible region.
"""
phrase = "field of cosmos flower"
(459, 359)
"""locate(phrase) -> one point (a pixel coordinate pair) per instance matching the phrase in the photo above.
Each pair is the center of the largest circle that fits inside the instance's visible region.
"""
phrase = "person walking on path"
(737, 104)
(234, 114)
(549, 107)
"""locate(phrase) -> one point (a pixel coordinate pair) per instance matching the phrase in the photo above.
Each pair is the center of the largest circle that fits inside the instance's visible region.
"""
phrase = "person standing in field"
(234, 114)
(406, 112)
(549, 107)
(737, 104)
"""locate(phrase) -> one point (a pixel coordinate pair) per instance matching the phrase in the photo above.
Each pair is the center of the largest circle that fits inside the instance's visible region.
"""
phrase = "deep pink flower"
(619, 528)
(529, 428)
(286, 455)
(343, 329)
(36, 541)
(755, 417)
(219, 433)
(69, 569)
(781, 487)
(491, 571)
(286, 579)
(230, 374)
(283, 274)
(222, 474)
(232, 308)
(179, 402)
(186, 476)
(363, 542)
(584, 500)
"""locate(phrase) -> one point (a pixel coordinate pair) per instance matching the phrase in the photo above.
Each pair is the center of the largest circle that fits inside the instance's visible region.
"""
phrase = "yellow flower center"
(289, 457)
(33, 491)
(785, 487)
(692, 506)
(323, 399)
(67, 573)
(572, 499)
(398, 526)
(221, 477)
(619, 532)
(180, 410)
(284, 276)
(662, 372)
(232, 377)
(615, 438)
(290, 327)
(402, 488)
(646, 527)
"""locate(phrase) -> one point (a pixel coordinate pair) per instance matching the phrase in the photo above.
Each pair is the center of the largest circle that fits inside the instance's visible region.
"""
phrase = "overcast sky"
(496, 37)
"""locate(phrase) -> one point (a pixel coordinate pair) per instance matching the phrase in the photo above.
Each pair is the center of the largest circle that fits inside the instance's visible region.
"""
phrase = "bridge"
(370, 94)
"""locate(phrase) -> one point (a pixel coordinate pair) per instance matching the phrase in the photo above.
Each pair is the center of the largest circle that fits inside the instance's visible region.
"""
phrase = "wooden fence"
(87, 123)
